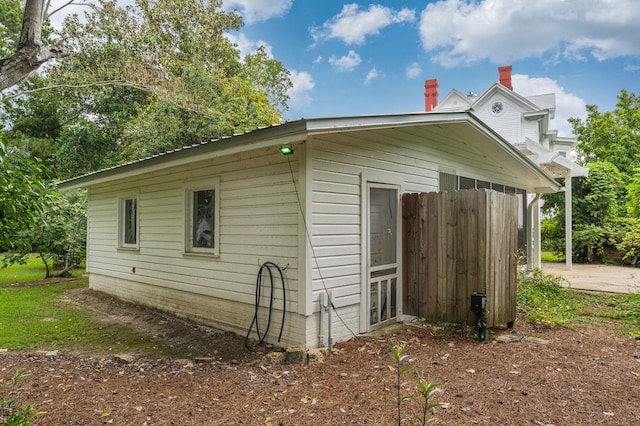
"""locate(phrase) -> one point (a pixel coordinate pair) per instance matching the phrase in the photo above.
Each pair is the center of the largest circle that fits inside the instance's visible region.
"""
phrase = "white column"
(568, 223)
(537, 238)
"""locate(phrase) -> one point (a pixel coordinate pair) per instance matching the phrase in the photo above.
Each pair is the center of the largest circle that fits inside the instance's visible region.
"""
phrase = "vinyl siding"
(337, 165)
(258, 223)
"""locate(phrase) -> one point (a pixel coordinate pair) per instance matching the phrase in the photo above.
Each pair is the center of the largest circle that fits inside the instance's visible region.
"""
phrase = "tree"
(144, 79)
(23, 195)
(606, 212)
(598, 206)
(612, 136)
(30, 52)
(57, 236)
(34, 218)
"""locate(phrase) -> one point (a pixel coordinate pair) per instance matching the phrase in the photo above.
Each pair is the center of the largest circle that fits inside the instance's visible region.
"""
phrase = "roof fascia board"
(373, 122)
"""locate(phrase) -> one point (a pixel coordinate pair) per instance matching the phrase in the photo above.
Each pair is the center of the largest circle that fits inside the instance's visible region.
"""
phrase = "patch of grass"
(545, 301)
(33, 270)
(37, 318)
(549, 256)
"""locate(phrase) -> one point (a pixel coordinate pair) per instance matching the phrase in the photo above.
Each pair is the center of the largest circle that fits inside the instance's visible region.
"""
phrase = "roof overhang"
(462, 128)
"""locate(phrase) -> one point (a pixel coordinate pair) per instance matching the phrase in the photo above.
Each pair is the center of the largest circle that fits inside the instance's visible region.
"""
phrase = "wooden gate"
(457, 243)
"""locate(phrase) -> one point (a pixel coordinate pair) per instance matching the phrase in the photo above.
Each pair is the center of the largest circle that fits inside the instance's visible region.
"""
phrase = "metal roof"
(299, 130)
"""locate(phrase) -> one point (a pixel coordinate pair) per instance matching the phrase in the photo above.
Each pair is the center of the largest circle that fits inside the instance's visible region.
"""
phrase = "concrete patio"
(604, 278)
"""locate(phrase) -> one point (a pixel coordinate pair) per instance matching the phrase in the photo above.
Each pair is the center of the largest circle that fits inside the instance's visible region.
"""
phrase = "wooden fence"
(457, 243)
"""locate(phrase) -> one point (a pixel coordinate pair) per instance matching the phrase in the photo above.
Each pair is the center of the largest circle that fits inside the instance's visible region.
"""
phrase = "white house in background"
(187, 231)
(523, 122)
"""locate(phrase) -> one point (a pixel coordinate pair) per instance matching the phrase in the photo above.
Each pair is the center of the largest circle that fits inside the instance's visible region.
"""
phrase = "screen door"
(383, 246)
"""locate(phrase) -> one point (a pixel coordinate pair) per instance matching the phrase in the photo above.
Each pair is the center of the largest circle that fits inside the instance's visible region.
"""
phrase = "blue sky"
(363, 58)
(373, 57)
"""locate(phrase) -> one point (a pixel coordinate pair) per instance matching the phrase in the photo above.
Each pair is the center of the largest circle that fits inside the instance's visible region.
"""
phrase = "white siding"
(258, 223)
(338, 165)
(508, 124)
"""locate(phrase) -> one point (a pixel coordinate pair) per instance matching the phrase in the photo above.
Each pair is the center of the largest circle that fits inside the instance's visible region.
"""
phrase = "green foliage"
(399, 355)
(603, 202)
(611, 136)
(34, 218)
(10, 413)
(598, 206)
(158, 75)
(24, 195)
(633, 194)
(58, 237)
(545, 301)
(423, 391)
(547, 256)
(627, 241)
(143, 79)
(10, 26)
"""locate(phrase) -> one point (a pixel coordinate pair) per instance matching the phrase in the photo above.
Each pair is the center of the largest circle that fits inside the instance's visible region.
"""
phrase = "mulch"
(531, 375)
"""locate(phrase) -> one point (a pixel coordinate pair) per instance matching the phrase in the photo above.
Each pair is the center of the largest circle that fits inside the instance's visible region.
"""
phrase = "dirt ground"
(532, 376)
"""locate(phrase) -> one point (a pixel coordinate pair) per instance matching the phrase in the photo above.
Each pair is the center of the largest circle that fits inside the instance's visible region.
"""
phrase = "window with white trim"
(128, 222)
(202, 217)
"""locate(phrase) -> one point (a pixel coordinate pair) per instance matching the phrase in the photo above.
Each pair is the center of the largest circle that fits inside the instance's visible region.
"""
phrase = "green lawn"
(548, 256)
(33, 270)
(37, 317)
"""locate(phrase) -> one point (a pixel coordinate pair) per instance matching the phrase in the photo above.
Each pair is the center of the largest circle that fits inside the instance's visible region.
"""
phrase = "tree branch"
(30, 53)
(115, 83)
(68, 3)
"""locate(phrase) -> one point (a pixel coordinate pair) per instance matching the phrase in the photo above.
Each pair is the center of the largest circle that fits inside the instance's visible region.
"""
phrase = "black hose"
(262, 336)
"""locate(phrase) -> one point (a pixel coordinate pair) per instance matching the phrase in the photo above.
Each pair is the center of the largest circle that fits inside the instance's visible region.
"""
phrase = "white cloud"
(318, 59)
(247, 46)
(464, 31)
(302, 84)
(371, 75)
(258, 10)
(346, 63)
(567, 104)
(413, 71)
(353, 25)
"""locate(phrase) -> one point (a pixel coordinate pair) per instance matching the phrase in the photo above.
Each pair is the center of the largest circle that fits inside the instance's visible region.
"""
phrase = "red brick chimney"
(430, 94)
(505, 76)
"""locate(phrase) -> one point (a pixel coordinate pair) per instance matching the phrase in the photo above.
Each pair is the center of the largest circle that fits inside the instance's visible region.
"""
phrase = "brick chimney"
(505, 76)
(430, 94)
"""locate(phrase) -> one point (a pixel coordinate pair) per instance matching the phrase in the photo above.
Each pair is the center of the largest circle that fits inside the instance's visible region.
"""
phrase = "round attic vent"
(497, 108)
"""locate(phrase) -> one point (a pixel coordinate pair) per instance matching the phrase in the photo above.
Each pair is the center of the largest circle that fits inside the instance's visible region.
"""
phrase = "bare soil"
(536, 376)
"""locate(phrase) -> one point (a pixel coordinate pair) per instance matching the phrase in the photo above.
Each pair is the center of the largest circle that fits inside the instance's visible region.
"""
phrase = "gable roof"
(463, 128)
(499, 89)
(454, 101)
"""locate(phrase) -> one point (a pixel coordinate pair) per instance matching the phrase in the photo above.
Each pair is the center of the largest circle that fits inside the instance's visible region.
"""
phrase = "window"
(128, 222)
(467, 183)
(202, 218)
(448, 182)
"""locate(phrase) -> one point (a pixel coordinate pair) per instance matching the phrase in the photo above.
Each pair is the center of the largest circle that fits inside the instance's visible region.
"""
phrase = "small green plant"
(423, 390)
(10, 413)
(398, 352)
